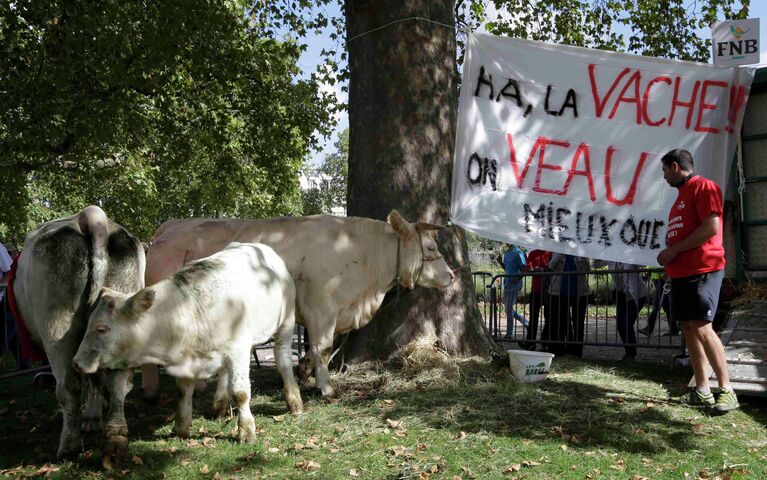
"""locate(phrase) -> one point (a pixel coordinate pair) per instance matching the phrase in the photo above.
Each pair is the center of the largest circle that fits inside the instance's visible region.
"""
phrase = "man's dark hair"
(683, 158)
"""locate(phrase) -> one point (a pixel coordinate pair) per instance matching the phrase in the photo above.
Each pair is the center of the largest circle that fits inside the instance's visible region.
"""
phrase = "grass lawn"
(421, 416)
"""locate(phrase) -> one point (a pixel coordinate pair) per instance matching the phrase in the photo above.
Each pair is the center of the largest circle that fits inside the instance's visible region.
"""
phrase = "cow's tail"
(94, 224)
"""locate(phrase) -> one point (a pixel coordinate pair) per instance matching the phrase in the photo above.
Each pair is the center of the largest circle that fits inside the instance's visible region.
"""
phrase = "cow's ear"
(142, 300)
(401, 226)
(423, 226)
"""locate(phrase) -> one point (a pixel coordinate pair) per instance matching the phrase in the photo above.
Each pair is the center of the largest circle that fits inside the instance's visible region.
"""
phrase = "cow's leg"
(239, 387)
(94, 403)
(150, 382)
(119, 383)
(221, 397)
(184, 415)
(283, 357)
(68, 391)
(321, 339)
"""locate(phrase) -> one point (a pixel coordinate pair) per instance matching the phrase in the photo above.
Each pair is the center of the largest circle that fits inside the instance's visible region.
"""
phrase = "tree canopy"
(152, 110)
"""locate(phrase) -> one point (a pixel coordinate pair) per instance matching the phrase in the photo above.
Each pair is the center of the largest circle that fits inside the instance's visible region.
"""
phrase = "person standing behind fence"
(5, 266)
(569, 300)
(694, 261)
(513, 261)
(661, 299)
(630, 296)
(537, 261)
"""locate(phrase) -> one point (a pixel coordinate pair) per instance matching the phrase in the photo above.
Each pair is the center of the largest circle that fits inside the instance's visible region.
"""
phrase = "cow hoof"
(247, 435)
(219, 409)
(115, 451)
(70, 449)
(328, 392)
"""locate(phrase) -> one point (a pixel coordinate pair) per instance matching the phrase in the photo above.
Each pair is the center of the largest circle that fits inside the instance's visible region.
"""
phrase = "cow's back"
(325, 240)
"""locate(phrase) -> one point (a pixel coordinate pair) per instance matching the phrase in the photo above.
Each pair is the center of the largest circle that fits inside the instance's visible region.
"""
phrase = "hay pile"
(419, 365)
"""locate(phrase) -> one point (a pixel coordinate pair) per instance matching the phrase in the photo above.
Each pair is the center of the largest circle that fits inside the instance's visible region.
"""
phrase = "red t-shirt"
(538, 259)
(698, 198)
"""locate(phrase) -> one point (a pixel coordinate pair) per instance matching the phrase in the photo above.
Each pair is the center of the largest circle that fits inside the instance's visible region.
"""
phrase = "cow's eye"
(102, 329)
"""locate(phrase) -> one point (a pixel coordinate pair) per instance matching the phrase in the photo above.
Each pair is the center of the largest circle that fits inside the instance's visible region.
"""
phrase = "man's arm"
(707, 229)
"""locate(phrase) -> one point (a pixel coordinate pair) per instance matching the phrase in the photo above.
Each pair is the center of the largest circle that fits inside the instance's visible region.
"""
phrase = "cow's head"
(113, 328)
(421, 262)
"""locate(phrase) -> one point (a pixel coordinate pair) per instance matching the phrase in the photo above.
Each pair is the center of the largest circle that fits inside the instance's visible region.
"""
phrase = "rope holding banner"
(452, 27)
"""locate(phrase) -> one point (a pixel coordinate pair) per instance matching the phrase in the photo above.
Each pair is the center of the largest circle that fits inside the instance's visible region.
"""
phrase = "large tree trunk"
(402, 111)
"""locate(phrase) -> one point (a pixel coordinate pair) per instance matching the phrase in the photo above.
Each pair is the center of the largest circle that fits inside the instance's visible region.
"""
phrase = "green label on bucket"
(539, 369)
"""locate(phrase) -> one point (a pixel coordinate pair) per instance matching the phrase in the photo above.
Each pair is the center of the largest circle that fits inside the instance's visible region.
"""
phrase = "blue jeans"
(510, 293)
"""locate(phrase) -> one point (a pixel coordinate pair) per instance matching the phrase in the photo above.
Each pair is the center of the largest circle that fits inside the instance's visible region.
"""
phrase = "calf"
(201, 322)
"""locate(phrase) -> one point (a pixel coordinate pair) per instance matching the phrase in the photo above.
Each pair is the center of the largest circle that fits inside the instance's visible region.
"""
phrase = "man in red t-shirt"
(694, 261)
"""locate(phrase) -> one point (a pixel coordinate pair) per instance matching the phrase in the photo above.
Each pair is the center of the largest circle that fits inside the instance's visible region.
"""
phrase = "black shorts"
(696, 297)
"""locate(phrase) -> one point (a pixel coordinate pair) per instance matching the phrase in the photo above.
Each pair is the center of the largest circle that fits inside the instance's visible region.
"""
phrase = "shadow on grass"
(30, 425)
(597, 413)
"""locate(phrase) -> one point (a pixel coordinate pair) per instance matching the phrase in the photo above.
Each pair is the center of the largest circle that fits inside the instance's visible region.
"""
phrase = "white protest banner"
(735, 42)
(559, 147)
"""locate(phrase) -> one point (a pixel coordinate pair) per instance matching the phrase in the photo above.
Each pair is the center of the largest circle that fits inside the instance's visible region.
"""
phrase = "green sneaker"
(696, 399)
(726, 401)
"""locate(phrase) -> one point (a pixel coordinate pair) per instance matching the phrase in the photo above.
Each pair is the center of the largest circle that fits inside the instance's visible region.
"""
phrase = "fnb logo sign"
(736, 42)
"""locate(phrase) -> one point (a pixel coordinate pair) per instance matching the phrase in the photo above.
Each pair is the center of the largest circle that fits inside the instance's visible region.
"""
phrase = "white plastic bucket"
(530, 366)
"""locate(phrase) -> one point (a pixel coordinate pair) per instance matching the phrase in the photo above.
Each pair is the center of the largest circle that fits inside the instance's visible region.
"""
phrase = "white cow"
(342, 267)
(201, 322)
(63, 266)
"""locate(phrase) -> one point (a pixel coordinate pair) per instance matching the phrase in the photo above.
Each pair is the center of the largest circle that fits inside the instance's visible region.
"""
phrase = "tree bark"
(403, 99)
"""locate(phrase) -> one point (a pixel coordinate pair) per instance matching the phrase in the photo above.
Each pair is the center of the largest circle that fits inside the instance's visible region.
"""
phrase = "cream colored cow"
(342, 267)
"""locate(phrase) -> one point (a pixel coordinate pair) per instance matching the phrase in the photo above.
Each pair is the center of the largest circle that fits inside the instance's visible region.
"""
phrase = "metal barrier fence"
(599, 317)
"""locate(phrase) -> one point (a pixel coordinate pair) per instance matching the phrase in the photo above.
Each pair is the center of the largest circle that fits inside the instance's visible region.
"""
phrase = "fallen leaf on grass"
(512, 468)
(388, 401)
(308, 465)
(460, 436)
(208, 442)
(205, 469)
(530, 464)
(638, 477)
(184, 463)
(420, 447)
(216, 476)
(398, 450)
(424, 476)
(278, 418)
(393, 423)
(354, 472)
(137, 460)
(274, 450)
(573, 467)
(46, 470)
(10, 471)
(698, 428)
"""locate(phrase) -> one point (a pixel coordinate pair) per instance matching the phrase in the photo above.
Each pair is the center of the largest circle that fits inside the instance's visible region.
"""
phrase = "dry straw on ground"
(419, 365)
